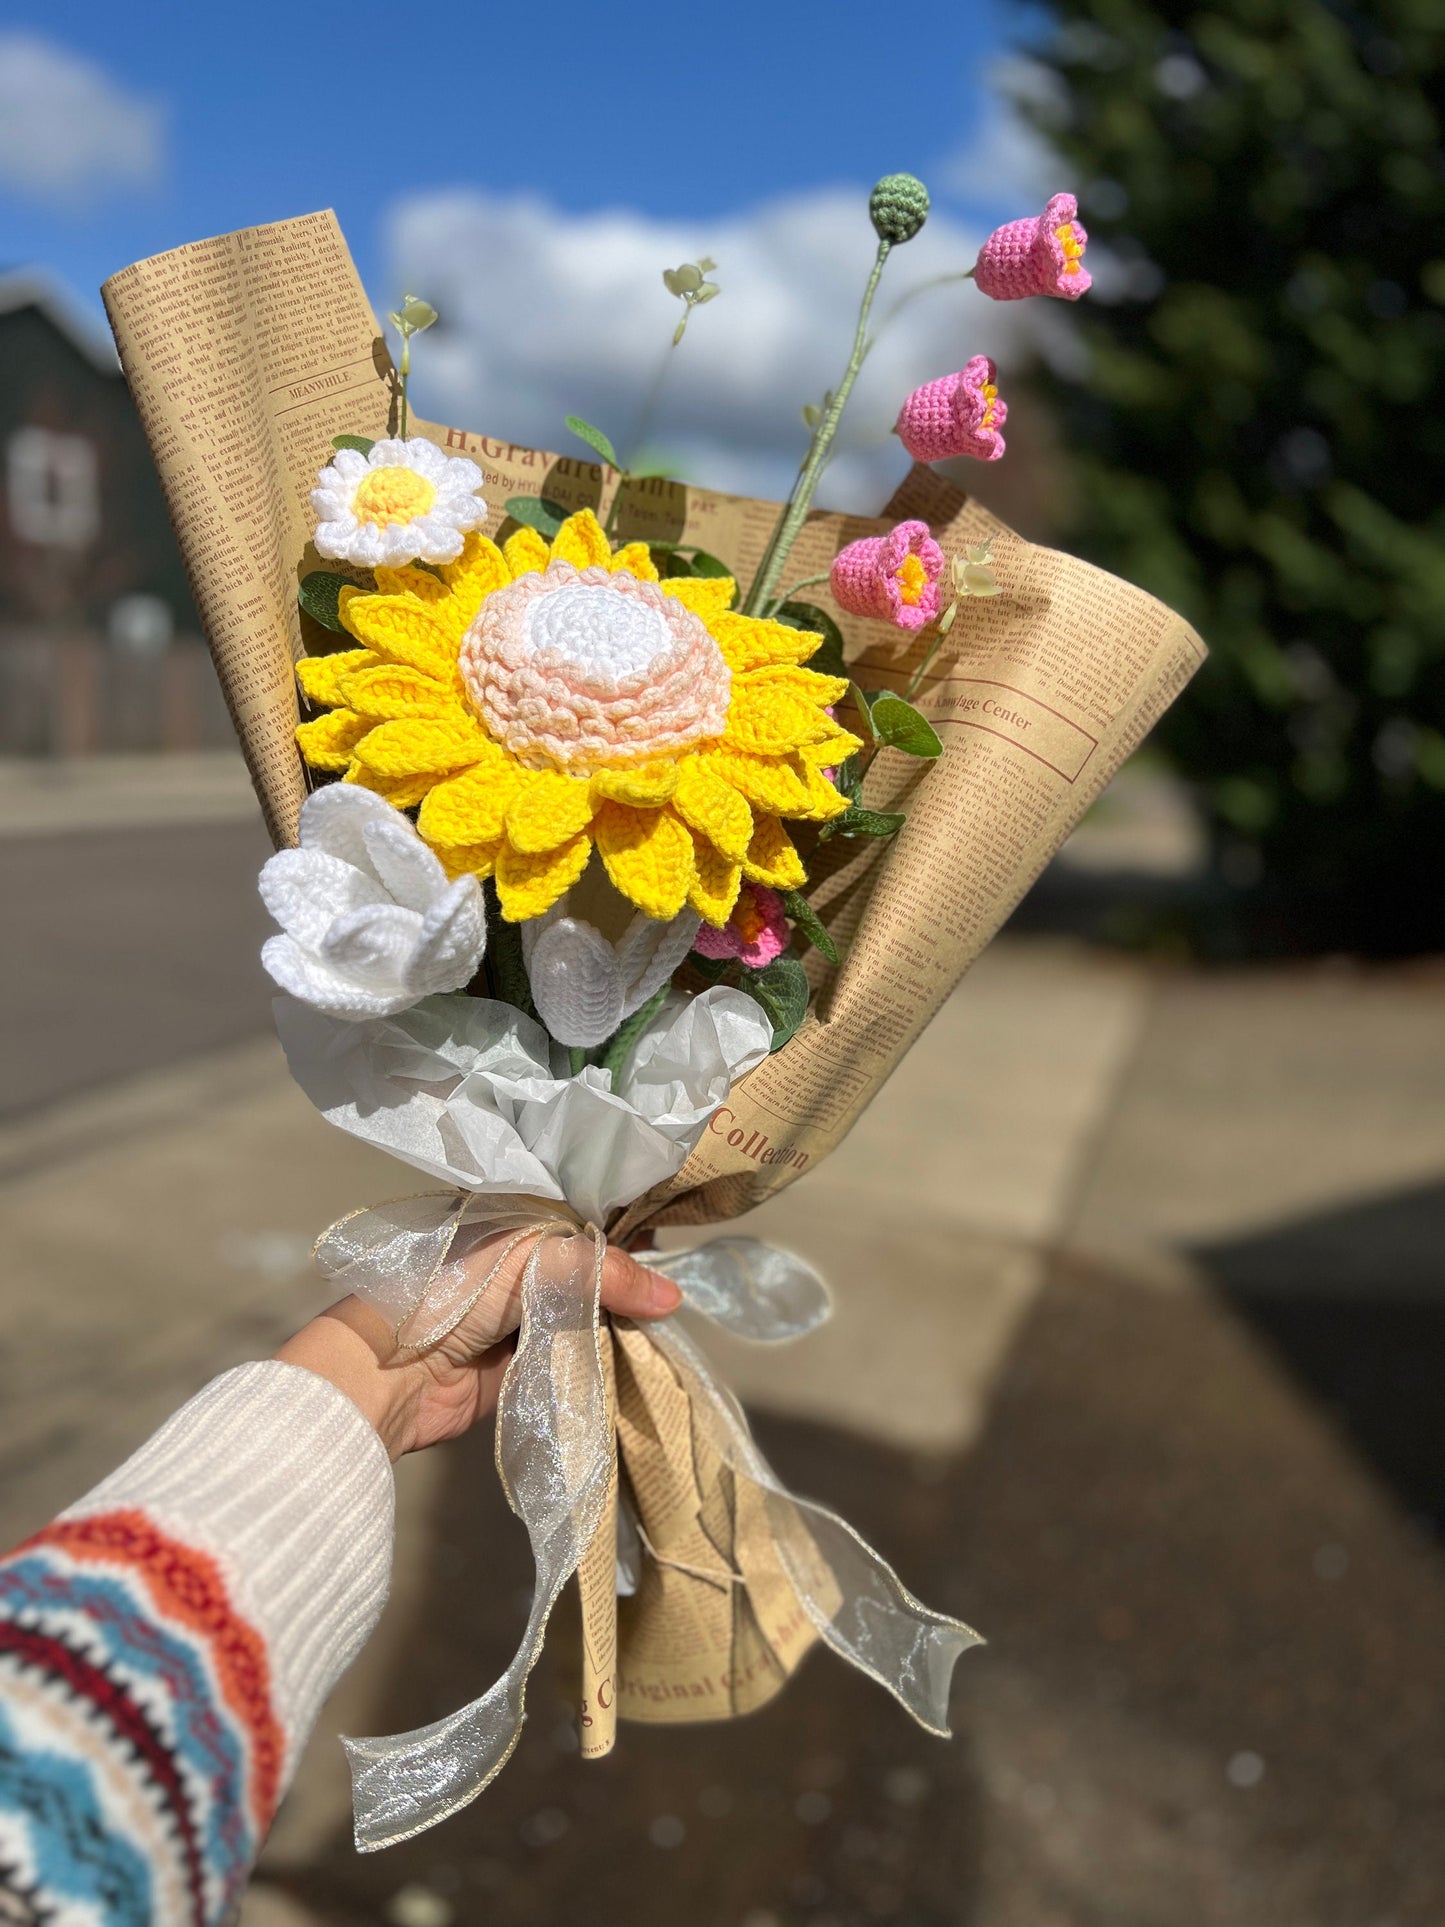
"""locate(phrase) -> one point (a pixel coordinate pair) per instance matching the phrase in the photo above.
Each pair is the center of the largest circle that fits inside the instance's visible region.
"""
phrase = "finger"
(633, 1291)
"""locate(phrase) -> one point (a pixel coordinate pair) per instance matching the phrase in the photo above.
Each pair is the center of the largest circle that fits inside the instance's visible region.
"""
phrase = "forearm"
(166, 1643)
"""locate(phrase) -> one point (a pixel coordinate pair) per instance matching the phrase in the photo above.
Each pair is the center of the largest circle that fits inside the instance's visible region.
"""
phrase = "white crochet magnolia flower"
(371, 923)
(403, 502)
(584, 986)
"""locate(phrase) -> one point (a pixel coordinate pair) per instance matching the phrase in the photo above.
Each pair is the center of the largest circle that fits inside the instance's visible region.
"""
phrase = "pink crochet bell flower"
(958, 414)
(1043, 255)
(893, 576)
(756, 932)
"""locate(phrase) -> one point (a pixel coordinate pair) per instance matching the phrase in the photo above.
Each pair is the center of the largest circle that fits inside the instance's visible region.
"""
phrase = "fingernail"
(665, 1294)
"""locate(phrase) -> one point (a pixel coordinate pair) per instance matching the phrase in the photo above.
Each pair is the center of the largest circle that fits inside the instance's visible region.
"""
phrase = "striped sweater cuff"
(276, 1474)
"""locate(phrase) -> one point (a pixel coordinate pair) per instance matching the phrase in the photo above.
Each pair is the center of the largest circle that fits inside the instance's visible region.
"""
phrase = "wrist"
(352, 1347)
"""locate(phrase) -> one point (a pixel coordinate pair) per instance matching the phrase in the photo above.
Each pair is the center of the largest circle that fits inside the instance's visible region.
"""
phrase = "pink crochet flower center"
(760, 911)
(586, 669)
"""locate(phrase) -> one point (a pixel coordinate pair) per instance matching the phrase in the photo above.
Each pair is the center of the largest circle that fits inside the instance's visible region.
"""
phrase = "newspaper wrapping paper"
(556, 1449)
(246, 353)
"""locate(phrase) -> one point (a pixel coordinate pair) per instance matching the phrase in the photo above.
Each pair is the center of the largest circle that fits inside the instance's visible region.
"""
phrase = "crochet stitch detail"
(1041, 255)
(959, 414)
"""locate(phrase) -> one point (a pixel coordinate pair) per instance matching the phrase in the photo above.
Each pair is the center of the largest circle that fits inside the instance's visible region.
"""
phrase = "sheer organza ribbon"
(556, 1447)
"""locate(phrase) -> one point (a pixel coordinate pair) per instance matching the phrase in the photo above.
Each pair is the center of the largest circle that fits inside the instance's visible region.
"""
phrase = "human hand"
(416, 1399)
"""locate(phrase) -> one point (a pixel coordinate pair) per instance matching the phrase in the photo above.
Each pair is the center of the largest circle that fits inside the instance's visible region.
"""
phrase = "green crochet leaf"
(781, 987)
(807, 922)
(319, 595)
(858, 821)
(360, 443)
(537, 513)
(711, 969)
(705, 564)
(900, 726)
(594, 439)
(506, 969)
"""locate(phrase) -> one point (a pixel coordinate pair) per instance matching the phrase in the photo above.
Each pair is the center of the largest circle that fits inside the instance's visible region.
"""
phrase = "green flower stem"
(806, 583)
(801, 500)
(916, 680)
(404, 375)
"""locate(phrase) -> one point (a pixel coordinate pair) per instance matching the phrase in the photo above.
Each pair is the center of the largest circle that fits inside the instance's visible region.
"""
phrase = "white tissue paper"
(475, 1094)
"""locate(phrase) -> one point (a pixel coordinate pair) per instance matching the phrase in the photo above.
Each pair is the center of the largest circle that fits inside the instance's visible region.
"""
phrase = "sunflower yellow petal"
(330, 742)
(320, 676)
(403, 629)
(470, 859)
(824, 802)
(402, 792)
(525, 553)
(706, 595)
(777, 784)
(775, 711)
(548, 810)
(635, 559)
(581, 542)
(390, 691)
(648, 854)
(709, 804)
(831, 751)
(715, 883)
(645, 785)
(477, 571)
(771, 858)
(421, 748)
(750, 642)
(411, 581)
(470, 808)
(528, 886)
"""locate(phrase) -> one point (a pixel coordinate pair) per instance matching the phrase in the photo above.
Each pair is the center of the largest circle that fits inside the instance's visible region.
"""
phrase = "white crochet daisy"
(403, 502)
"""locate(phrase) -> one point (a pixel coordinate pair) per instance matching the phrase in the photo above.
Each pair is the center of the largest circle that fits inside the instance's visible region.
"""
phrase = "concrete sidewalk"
(1135, 1366)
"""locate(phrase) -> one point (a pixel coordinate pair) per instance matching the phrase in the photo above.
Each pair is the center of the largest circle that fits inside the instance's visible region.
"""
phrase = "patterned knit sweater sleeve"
(165, 1646)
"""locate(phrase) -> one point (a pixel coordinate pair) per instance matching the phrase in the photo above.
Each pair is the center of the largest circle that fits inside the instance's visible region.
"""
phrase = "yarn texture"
(404, 501)
(544, 700)
(959, 414)
(893, 577)
(1041, 255)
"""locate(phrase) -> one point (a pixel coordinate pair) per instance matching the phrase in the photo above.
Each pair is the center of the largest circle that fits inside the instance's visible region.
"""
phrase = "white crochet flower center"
(585, 669)
(600, 634)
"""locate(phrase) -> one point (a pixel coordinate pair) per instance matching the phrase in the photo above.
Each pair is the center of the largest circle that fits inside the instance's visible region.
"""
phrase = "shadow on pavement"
(1213, 1692)
(1353, 1300)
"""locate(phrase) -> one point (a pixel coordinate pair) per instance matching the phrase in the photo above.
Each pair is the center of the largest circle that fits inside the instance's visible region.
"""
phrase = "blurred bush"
(1259, 435)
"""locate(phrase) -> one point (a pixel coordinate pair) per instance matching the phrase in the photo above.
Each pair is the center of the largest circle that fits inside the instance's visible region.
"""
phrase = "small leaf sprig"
(692, 287)
(412, 318)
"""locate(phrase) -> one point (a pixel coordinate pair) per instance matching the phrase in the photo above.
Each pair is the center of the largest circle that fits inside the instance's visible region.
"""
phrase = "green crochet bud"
(898, 207)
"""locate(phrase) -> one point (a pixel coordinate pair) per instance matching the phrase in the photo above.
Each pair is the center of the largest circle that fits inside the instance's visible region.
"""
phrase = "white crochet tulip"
(584, 986)
(371, 923)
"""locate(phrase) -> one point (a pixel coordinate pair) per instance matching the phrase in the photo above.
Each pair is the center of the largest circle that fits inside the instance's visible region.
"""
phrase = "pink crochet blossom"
(1042, 255)
(959, 414)
(893, 576)
(756, 932)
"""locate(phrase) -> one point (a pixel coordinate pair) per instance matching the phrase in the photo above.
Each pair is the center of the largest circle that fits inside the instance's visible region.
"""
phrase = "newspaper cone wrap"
(246, 354)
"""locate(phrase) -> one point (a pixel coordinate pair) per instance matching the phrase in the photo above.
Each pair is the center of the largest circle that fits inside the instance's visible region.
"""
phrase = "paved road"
(126, 949)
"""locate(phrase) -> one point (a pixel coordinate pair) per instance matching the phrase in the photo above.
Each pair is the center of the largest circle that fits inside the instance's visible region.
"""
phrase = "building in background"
(99, 642)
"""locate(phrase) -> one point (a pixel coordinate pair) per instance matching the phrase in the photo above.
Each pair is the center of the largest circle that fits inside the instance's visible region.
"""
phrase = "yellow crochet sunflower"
(540, 700)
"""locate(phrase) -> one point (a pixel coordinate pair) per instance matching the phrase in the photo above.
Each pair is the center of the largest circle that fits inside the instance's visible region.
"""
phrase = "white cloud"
(1008, 167)
(68, 132)
(546, 314)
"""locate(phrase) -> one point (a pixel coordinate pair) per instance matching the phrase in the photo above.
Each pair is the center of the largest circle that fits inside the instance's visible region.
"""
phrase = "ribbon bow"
(556, 1452)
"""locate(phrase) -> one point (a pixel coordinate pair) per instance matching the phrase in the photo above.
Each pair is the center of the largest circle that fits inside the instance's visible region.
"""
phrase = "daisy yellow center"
(990, 396)
(912, 580)
(392, 495)
(1073, 247)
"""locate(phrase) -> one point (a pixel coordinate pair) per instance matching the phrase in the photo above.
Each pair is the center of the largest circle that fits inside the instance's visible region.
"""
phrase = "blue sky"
(532, 170)
(674, 110)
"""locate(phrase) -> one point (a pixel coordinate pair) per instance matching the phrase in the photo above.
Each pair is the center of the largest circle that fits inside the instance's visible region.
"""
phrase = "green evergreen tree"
(1260, 434)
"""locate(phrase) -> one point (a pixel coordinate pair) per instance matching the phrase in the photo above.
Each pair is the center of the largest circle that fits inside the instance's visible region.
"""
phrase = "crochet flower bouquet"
(615, 877)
